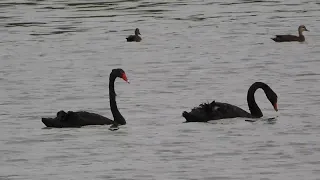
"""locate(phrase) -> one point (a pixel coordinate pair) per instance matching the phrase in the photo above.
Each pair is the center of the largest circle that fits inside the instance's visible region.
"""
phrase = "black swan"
(217, 110)
(83, 118)
(135, 37)
(289, 38)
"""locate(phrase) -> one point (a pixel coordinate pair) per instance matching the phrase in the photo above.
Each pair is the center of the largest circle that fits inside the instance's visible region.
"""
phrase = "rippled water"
(58, 55)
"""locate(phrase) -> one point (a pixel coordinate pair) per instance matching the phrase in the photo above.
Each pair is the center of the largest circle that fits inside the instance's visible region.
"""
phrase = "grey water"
(58, 54)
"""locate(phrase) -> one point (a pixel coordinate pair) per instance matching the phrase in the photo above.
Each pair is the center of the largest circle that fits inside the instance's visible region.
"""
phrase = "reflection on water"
(58, 55)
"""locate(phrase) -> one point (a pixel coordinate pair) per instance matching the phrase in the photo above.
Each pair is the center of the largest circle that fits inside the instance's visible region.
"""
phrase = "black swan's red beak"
(124, 77)
(275, 106)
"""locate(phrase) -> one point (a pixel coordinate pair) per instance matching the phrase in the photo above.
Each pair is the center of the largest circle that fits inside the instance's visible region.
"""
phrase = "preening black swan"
(83, 118)
(217, 110)
(135, 37)
(289, 38)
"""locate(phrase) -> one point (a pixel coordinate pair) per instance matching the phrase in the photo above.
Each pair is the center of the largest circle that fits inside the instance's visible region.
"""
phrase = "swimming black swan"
(289, 38)
(135, 37)
(217, 110)
(83, 118)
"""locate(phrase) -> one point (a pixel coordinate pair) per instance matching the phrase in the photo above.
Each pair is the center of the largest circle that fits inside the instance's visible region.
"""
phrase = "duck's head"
(137, 31)
(302, 28)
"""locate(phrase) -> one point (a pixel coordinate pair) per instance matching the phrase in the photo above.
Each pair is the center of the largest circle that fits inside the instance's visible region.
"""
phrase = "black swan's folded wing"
(93, 118)
(214, 111)
(76, 119)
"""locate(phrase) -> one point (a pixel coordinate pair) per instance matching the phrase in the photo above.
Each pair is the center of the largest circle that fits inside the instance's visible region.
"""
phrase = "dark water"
(58, 55)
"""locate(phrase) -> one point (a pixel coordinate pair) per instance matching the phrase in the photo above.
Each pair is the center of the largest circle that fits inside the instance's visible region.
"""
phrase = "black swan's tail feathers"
(200, 113)
(208, 107)
(62, 115)
(184, 114)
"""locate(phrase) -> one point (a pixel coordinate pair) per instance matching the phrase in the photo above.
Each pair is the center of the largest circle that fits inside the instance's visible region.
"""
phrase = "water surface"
(58, 55)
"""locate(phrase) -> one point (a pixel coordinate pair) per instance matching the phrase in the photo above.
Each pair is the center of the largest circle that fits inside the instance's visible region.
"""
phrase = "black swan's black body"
(135, 37)
(76, 119)
(217, 110)
(214, 111)
(83, 118)
(290, 38)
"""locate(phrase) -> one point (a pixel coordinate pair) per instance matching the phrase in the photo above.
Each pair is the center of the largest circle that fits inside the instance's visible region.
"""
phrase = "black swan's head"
(120, 73)
(137, 31)
(302, 28)
(272, 97)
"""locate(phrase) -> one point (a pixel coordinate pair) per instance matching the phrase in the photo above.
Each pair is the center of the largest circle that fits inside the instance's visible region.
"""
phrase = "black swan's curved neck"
(253, 107)
(118, 118)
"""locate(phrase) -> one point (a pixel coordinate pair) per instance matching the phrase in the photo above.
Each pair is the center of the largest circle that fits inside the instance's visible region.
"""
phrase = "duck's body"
(135, 37)
(290, 38)
(83, 118)
(217, 110)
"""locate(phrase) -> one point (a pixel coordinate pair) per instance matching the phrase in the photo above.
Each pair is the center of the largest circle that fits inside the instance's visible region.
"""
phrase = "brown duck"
(135, 37)
(289, 38)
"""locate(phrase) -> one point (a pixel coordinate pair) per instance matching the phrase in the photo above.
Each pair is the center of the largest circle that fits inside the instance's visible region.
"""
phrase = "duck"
(135, 37)
(290, 38)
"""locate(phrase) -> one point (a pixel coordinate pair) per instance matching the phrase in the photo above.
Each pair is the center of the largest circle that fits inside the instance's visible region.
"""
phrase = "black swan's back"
(214, 111)
(76, 119)
(93, 118)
